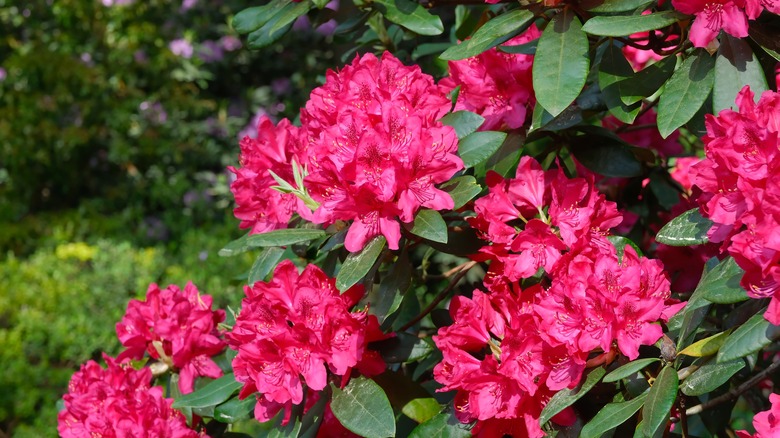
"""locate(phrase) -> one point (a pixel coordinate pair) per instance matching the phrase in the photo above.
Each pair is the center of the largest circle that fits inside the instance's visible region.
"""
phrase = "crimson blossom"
(712, 16)
(176, 327)
(292, 330)
(766, 423)
(117, 401)
(740, 181)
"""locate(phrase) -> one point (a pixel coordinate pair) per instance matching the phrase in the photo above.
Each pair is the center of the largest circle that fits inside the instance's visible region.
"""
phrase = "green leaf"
(687, 229)
(357, 264)
(464, 122)
(271, 238)
(234, 409)
(620, 243)
(705, 347)
(606, 154)
(543, 120)
(444, 425)
(561, 63)
(629, 369)
(403, 348)
(411, 15)
(609, 6)
(387, 298)
(277, 25)
(659, 401)
(251, 19)
(613, 69)
(622, 25)
(566, 397)
(710, 376)
(528, 48)
(462, 189)
(496, 31)
(647, 81)
(212, 394)
(735, 67)
(612, 416)
(685, 92)
(363, 408)
(421, 409)
(429, 224)
(479, 146)
(264, 264)
(722, 284)
(755, 334)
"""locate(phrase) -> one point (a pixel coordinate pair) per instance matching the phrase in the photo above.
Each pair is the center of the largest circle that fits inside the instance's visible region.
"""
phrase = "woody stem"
(464, 269)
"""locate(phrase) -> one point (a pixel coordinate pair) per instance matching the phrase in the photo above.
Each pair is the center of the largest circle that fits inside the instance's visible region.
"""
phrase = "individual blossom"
(376, 148)
(766, 423)
(175, 327)
(118, 401)
(496, 85)
(712, 16)
(294, 330)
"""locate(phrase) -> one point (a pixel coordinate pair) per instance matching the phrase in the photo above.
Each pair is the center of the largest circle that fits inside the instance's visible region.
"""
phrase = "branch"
(734, 392)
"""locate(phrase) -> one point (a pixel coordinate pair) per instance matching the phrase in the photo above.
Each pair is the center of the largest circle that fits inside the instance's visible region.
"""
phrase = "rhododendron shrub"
(548, 233)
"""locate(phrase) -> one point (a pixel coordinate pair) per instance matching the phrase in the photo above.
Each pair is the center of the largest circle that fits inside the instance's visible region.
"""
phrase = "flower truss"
(712, 16)
(177, 328)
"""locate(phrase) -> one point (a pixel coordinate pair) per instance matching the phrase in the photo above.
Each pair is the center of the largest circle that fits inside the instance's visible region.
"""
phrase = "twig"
(439, 298)
(735, 392)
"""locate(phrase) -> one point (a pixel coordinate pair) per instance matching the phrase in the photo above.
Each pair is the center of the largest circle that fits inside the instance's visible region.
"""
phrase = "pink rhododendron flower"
(376, 148)
(292, 331)
(766, 423)
(118, 402)
(177, 328)
(260, 207)
(741, 190)
(496, 85)
(712, 16)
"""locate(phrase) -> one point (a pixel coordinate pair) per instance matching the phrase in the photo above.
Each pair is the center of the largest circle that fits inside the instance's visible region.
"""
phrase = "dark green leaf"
(612, 416)
(685, 92)
(688, 320)
(496, 31)
(543, 120)
(462, 189)
(251, 19)
(721, 285)
(411, 15)
(561, 63)
(387, 297)
(363, 408)
(528, 48)
(614, 68)
(277, 25)
(357, 264)
(609, 6)
(750, 337)
(566, 397)
(427, 49)
(659, 401)
(735, 67)
(429, 224)
(710, 376)
(479, 146)
(606, 156)
(212, 394)
(402, 348)
(647, 81)
(623, 25)
(464, 122)
(421, 409)
(264, 264)
(629, 369)
(687, 229)
(271, 238)
(444, 425)
(234, 409)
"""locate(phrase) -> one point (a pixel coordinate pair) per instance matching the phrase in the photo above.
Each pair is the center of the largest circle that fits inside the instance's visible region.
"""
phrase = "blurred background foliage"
(117, 121)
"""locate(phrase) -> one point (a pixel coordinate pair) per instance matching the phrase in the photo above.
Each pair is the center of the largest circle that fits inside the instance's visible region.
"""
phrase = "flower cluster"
(176, 327)
(509, 350)
(496, 85)
(741, 190)
(294, 328)
(118, 402)
(766, 423)
(374, 149)
(729, 15)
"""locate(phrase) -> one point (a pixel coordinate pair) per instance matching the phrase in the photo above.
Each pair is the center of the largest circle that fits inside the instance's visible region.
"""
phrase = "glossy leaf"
(496, 31)
(272, 238)
(363, 408)
(566, 397)
(710, 376)
(421, 409)
(647, 81)
(479, 146)
(561, 63)
(623, 25)
(403, 348)
(251, 19)
(619, 5)
(443, 425)
(722, 284)
(464, 122)
(277, 25)
(429, 224)
(755, 334)
(387, 297)
(685, 92)
(606, 155)
(234, 409)
(212, 394)
(629, 369)
(264, 264)
(660, 400)
(735, 67)
(613, 69)
(687, 229)
(411, 15)
(612, 416)
(357, 264)
(462, 189)
(705, 347)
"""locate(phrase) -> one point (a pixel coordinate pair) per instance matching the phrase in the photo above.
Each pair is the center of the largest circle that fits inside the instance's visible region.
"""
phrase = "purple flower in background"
(117, 2)
(210, 51)
(250, 130)
(86, 58)
(3, 74)
(280, 86)
(188, 4)
(181, 47)
(153, 111)
(327, 28)
(140, 57)
(230, 43)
